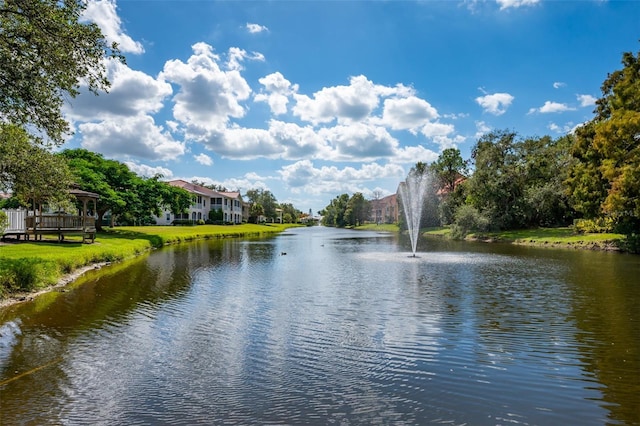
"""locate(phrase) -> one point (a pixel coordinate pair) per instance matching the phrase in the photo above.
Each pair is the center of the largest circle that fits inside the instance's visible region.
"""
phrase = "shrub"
(216, 215)
(184, 222)
(467, 220)
(593, 226)
(4, 222)
(26, 274)
(201, 222)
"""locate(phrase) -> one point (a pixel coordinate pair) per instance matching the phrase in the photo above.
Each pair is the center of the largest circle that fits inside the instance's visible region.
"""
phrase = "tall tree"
(266, 199)
(546, 162)
(497, 185)
(358, 210)
(334, 213)
(255, 211)
(290, 212)
(46, 51)
(122, 192)
(29, 171)
(605, 181)
(449, 168)
(450, 171)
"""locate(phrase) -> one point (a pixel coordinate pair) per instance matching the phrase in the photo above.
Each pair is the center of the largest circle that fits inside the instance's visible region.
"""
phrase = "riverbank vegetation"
(26, 266)
(561, 237)
(584, 182)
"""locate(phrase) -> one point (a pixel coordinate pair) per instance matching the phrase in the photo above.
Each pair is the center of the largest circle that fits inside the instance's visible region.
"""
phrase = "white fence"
(17, 223)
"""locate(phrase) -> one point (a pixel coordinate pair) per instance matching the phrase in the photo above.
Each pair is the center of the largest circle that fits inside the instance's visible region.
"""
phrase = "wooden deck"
(60, 225)
(35, 222)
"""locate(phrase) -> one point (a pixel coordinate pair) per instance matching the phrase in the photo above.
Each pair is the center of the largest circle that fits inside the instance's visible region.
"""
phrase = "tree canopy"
(122, 192)
(46, 51)
(267, 201)
(605, 179)
(31, 172)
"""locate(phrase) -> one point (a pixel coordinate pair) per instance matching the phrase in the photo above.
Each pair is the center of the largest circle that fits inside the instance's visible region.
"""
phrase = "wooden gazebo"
(62, 224)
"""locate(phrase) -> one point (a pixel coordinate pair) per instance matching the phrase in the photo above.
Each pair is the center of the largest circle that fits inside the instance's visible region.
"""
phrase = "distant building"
(234, 209)
(385, 210)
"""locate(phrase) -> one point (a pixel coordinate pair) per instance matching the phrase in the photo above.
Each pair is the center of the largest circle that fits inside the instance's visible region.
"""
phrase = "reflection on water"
(331, 326)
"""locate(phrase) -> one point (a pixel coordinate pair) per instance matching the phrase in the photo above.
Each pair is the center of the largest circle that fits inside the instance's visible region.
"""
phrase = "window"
(168, 216)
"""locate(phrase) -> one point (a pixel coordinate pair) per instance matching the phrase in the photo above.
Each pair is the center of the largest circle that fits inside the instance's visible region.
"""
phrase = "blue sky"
(314, 99)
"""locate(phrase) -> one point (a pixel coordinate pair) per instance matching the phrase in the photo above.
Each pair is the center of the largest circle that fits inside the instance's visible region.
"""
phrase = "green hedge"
(26, 274)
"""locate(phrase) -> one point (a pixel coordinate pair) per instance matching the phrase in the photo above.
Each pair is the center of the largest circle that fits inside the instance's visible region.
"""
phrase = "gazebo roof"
(80, 194)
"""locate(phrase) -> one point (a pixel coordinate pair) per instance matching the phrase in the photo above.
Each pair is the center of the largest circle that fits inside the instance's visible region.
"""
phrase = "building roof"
(193, 188)
(202, 190)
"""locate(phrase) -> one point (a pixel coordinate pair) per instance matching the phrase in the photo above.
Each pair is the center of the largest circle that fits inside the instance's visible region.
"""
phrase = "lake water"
(326, 326)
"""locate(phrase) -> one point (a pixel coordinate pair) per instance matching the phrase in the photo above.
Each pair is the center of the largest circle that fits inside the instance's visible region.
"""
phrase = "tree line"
(591, 175)
(589, 178)
(36, 175)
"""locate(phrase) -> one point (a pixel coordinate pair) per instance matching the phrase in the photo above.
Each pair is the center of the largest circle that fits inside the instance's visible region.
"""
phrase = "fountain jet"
(412, 192)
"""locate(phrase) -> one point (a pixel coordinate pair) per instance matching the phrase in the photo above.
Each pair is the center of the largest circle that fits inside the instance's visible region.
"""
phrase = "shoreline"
(64, 280)
(167, 236)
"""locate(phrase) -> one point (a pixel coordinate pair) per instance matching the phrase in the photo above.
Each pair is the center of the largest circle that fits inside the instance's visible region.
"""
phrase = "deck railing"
(61, 222)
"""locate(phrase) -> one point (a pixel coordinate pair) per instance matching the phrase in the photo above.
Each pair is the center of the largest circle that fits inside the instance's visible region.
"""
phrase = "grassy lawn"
(564, 237)
(30, 265)
(383, 227)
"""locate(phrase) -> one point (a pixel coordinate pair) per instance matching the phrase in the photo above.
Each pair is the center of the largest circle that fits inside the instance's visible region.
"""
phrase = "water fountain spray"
(412, 192)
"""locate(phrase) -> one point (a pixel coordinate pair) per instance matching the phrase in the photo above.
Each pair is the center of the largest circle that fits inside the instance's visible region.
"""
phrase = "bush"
(631, 243)
(216, 215)
(200, 222)
(26, 274)
(593, 226)
(184, 222)
(4, 222)
(467, 220)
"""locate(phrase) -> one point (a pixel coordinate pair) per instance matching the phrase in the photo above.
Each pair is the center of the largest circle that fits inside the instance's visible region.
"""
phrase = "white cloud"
(256, 28)
(496, 103)
(303, 176)
(559, 84)
(586, 100)
(410, 155)
(104, 14)
(203, 159)
(136, 136)
(359, 142)
(506, 4)
(149, 171)
(278, 89)
(481, 129)
(551, 107)
(236, 56)
(407, 113)
(299, 142)
(441, 134)
(208, 96)
(131, 93)
(566, 128)
(344, 103)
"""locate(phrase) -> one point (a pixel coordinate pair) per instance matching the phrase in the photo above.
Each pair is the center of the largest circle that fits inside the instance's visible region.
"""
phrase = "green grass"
(30, 265)
(160, 235)
(559, 237)
(383, 227)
